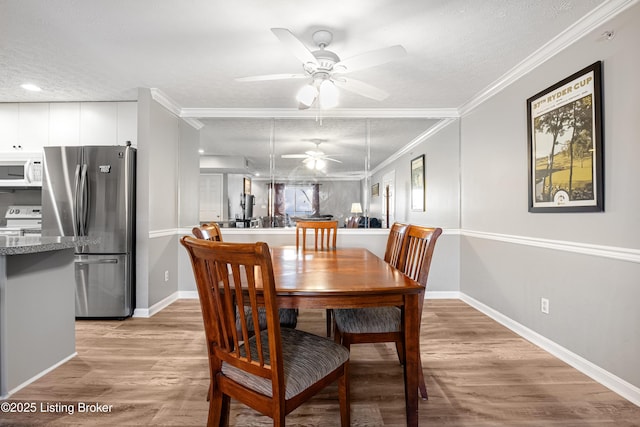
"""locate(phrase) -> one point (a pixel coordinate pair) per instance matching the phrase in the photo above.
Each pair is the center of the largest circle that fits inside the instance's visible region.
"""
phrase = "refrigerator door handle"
(97, 261)
(84, 201)
(76, 203)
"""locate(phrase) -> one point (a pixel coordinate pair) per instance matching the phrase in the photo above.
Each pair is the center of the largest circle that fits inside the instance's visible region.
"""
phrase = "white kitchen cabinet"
(98, 123)
(64, 123)
(33, 126)
(9, 126)
(127, 123)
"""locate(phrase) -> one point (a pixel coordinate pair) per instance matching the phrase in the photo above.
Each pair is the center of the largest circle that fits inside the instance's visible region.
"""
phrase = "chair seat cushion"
(368, 320)
(307, 358)
(288, 318)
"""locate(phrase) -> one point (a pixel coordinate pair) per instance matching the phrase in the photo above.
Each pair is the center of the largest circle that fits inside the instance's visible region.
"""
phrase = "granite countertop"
(34, 244)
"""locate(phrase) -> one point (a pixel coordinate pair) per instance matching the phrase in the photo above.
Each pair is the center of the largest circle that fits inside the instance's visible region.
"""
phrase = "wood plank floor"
(153, 372)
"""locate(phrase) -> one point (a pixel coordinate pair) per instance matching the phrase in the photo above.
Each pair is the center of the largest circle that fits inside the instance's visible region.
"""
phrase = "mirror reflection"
(273, 172)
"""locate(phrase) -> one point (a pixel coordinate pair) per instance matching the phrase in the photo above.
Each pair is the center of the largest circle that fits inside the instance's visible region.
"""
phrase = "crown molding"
(194, 123)
(292, 113)
(413, 143)
(162, 99)
(173, 107)
(572, 34)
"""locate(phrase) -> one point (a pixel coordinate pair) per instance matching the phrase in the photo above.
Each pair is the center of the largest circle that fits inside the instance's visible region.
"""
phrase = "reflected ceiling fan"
(313, 159)
(327, 71)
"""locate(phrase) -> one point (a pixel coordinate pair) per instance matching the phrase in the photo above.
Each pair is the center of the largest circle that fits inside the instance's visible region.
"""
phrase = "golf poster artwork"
(565, 145)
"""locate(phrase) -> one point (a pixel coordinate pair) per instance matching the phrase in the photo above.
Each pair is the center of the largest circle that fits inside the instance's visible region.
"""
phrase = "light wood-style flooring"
(153, 372)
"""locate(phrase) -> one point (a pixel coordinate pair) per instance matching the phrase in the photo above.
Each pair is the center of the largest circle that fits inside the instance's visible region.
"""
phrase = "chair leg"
(343, 395)
(329, 321)
(219, 408)
(400, 351)
(422, 385)
(337, 335)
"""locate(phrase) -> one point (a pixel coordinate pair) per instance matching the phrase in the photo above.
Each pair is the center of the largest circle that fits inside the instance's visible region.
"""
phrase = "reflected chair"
(275, 370)
(324, 231)
(352, 222)
(288, 316)
(384, 324)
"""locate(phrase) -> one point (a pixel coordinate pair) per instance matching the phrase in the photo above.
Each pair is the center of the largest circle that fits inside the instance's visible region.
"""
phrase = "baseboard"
(188, 295)
(157, 307)
(607, 379)
(442, 295)
(40, 375)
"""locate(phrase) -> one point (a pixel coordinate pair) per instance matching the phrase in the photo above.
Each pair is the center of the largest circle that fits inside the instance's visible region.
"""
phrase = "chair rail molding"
(613, 252)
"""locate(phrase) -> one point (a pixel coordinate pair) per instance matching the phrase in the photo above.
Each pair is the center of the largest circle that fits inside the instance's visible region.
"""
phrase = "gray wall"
(442, 176)
(168, 168)
(510, 258)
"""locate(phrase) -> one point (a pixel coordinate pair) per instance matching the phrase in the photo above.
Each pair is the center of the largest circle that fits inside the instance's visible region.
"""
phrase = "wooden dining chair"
(326, 232)
(384, 324)
(275, 370)
(208, 232)
(392, 253)
(288, 316)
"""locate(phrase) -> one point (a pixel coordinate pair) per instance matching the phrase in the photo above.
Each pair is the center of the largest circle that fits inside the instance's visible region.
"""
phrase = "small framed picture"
(565, 145)
(417, 184)
(375, 190)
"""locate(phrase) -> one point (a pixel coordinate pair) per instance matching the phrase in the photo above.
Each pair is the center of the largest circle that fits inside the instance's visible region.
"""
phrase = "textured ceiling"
(191, 50)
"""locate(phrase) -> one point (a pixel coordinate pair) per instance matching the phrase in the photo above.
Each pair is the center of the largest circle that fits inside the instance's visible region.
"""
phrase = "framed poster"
(564, 129)
(375, 190)
(417, 184)
(247, 186)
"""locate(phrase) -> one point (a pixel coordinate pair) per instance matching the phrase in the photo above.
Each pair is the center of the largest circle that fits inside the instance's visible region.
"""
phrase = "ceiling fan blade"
(370, 59)
(294, 156)
(362, 88)
(294, 44)
(271, 77)
(332, 160)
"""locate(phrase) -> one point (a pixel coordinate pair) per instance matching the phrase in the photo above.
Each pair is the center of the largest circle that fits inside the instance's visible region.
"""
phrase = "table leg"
(412, 357)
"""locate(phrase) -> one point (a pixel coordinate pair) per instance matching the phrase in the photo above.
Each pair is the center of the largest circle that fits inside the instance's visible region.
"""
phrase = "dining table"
(353, 278)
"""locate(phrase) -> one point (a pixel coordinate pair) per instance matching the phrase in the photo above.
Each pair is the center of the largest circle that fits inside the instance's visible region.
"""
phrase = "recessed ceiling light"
(31, 87)
(201, 151)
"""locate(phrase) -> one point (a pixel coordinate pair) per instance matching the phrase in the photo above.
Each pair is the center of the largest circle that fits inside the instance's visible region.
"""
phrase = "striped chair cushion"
(288, 318)
(368, 320)
(307, 359)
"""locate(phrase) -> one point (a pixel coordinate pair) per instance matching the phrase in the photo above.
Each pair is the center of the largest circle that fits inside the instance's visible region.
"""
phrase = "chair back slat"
(232, 275)
(394, 243)
(325, 232)
(417, 252)
(208, 232)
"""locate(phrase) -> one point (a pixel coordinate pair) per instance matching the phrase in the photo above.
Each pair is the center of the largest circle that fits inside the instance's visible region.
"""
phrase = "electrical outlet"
(544, 305)
(166, 276)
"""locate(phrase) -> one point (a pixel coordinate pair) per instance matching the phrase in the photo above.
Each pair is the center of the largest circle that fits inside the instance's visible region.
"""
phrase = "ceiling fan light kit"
(326, 70)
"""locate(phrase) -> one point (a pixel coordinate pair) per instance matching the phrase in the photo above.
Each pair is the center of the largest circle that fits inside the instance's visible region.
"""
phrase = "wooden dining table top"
(338, 273)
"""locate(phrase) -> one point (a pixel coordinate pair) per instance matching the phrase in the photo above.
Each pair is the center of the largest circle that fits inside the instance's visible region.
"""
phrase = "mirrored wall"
(273, 172)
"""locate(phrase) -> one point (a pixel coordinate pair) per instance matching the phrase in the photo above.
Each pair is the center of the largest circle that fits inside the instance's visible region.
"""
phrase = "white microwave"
(21, 169)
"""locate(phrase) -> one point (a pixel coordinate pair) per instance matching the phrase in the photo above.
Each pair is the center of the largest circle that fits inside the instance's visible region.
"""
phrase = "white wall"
(590, 270)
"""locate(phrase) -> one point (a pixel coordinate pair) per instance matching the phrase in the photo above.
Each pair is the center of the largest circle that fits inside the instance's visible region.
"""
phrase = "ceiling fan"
(327, 71)
(313, 159)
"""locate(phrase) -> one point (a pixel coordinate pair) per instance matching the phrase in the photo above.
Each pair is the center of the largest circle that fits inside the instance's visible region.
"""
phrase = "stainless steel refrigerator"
(90, 191)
